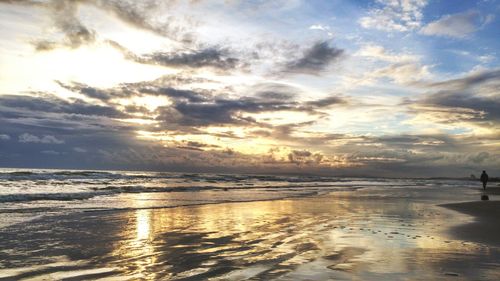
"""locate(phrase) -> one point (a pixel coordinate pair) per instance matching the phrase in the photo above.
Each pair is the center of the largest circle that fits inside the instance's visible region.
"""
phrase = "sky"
(397, 88)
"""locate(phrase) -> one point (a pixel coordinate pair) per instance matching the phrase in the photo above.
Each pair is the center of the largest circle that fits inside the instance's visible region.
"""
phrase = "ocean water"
(113, 225)
(26, 194)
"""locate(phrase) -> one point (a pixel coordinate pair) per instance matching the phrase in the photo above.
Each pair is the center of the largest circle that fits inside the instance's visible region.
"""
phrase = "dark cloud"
(276, 91)
(210, 57)
(461, 106)
(315, 59)
(220, 111)
(88, 91)
(305, 157)
(270, 95)
(44, 45)
(51, 104)
(472, 98)
(215, 57)
(470, 80)
(480, 157)
(326, 102)
(146, 15)
(64, 15)
(186, 95)
(194, 145)
(198, 108)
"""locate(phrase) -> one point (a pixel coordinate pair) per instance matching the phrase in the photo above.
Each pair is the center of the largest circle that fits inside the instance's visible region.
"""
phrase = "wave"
(193, 177)
(27, 197)
(124, 189)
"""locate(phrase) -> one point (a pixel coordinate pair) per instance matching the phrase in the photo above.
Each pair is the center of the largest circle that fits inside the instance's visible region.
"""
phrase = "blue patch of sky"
(458, 55)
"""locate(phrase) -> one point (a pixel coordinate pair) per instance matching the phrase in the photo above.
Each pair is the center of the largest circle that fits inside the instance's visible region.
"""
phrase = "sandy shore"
(342, 236)
(485, 228)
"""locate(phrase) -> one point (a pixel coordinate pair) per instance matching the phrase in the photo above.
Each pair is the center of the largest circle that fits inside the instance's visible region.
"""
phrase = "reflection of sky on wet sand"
(343, 237)
(292, 239)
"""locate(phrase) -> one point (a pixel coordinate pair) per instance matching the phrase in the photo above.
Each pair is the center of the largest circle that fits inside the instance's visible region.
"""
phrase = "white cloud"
(488, 19)
(79, 150)
(401, 68)
(4, 137)
(50, 152)
(325, 28)
(394, 15)
(378, 52)
(403, 73)
(319, 27)
(456, 25)
(48, 139)
(486, 58)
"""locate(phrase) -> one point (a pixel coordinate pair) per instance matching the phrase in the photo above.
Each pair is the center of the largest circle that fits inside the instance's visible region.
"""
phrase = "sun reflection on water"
(143, 225)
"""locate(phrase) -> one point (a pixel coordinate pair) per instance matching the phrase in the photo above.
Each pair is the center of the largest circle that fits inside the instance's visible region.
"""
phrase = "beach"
(366, 234)
(485, 227)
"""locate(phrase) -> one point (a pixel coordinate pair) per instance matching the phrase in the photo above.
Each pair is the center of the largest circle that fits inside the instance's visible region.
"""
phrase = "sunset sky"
(382, 88)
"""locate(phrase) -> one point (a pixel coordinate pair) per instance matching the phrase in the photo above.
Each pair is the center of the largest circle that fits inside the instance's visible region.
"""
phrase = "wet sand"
(486, 226)
(341, 236)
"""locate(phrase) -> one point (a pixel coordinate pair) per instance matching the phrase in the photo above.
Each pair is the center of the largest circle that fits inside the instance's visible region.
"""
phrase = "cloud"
(64, 15)
(195, 145)
(480, 157)
(149, 15)
(152, 15)
(319, 27)
(390, 15)
(215, 57)
(199, 108)
(378, 52)
(457, 25)
(472, 108)
(305, 157)
(52, 104)
(210, 57)
(224, 111)
(47, 139)
(403, 73)
(468, 102)
(472, 80)
(326, 102)
(79, 150)
(4, 137)
(50, 152)
(402, 68)
(315, 59)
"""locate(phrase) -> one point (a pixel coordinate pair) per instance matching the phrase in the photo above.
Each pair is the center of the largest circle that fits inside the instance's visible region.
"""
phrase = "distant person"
(484, 179)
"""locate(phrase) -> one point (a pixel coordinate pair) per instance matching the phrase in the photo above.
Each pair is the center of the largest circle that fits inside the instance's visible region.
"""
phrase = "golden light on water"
(143, 224)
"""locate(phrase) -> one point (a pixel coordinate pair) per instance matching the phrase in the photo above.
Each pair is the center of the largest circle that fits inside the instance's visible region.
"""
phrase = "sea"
(27, 194)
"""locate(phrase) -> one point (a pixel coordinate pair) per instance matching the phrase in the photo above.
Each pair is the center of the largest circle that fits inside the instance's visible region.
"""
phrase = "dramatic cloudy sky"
(379, 87)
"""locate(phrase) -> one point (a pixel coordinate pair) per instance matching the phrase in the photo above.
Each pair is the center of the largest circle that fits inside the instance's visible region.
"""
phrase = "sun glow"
(151, 103)
(139, 121)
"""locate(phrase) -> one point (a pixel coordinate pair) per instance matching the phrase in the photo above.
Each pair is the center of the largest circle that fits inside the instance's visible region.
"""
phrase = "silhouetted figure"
(484, 179)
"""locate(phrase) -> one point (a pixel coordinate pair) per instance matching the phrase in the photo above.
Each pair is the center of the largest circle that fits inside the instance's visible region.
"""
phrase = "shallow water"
(372, 233)
(26, 194)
